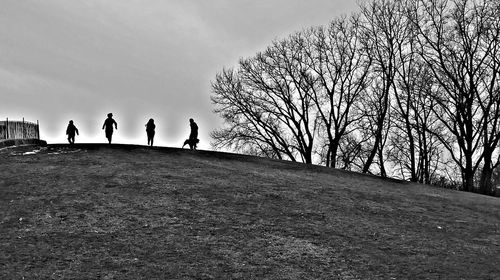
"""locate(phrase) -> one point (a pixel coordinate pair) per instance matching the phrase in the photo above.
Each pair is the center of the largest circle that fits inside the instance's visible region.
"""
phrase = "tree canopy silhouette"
(404, 88)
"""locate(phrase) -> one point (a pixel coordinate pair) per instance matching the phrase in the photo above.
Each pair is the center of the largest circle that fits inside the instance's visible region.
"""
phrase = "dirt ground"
(131, 212)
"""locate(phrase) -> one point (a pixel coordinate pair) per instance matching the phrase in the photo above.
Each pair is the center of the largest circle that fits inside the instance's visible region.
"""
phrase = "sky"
(79, 60)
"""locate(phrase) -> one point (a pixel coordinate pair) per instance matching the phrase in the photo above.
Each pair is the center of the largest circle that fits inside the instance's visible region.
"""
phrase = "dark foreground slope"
(128, 212)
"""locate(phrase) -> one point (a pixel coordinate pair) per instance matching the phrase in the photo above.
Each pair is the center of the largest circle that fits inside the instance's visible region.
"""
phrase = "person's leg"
(109, 135)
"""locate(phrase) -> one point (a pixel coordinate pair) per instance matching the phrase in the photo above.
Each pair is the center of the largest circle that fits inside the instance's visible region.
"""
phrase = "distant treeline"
(407, 89)
(19, 130)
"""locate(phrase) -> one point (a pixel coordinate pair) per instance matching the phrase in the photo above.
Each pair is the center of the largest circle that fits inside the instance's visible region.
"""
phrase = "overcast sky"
(139, 59)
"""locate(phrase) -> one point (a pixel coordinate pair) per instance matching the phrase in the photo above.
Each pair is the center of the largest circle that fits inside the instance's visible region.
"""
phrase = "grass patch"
(129, 212)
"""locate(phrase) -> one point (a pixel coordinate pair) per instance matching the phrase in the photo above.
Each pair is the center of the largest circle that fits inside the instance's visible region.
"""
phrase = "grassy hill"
(131, 212)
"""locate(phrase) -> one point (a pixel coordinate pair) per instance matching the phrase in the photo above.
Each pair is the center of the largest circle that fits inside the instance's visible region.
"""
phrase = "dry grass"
(128, 212)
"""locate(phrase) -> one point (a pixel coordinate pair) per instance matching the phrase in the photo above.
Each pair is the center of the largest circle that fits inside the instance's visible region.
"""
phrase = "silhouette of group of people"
(109, 123)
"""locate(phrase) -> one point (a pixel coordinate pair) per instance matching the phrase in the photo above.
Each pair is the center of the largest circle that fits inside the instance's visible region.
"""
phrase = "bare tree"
(458, 45)
(267, 105)
(247, 129)
(488, 94)
(338, 68)
(416, 153)
(383, 26)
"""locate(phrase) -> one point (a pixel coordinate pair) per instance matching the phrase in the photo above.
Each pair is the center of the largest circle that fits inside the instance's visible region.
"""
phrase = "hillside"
(132, 212)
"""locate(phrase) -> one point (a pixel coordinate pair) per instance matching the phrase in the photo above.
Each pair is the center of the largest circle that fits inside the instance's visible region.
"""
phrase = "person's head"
(151, 121)
(110, 115)
(191, 120)
(71, 122)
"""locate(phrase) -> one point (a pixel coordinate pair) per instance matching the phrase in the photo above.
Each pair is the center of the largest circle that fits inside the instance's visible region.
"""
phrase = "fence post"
(37, 130)
(24, 130)
(7, 129)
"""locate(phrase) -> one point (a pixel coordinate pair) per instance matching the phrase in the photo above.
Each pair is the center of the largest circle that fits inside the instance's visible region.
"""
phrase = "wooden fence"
(19, 130)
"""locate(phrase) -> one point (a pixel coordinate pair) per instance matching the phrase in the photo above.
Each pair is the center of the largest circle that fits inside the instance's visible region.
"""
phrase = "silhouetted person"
(108, 125)
(150, 130)
(193, 136)
(194, 130)
(70, 131)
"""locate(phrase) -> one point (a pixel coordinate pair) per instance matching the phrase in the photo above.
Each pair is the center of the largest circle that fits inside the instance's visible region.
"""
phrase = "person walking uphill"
(150, 130)
(192, 141)
(70, 131)
(193, 136)
(108, 125)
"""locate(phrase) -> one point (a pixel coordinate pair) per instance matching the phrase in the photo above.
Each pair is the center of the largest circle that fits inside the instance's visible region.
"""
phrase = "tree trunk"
(380, 126)
(327, 164)
(412, 151)
(369, 161)
(485, 183)
(425, 154)
(468, 174)
(308, 154)
(333, 153)
(383, 172)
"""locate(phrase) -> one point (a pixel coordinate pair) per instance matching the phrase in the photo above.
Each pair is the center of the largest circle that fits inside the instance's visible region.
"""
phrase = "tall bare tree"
(416, 153)
(339, 71)
(489, 94)
(457, 43)
(267, 104)
(247, 129)
(384, 25)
